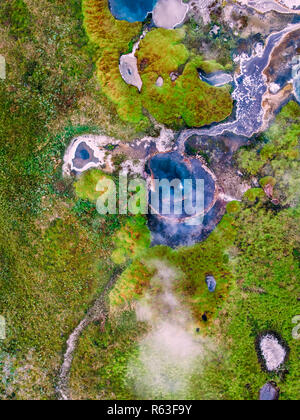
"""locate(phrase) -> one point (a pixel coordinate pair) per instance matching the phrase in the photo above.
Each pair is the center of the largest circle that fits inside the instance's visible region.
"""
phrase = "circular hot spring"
(183, 200)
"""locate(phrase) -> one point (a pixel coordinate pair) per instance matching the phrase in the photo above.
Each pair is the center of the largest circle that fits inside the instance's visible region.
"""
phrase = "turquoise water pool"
(131, 10)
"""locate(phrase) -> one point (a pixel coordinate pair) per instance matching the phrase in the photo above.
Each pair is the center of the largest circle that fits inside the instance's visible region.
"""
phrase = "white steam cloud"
(170, 353)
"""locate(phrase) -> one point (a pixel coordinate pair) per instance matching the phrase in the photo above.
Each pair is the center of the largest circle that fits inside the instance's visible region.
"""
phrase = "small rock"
(174, 76)
(160, 82)
(269, 392)
(269, 189)
(276, 202)
(211, 283)
(274, 88)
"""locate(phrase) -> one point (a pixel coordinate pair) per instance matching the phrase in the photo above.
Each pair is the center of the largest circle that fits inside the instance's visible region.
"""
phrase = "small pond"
(131, 10)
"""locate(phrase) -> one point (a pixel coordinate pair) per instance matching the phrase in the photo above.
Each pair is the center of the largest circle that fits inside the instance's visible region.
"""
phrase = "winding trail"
(98, 312)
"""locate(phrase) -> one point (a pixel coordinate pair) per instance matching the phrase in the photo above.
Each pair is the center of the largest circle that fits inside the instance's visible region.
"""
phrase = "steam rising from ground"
(170, 354)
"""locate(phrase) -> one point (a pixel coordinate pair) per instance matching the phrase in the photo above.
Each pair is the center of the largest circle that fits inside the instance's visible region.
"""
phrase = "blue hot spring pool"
(172, 229)
(82, 152)
(131, 10)
(172, 166)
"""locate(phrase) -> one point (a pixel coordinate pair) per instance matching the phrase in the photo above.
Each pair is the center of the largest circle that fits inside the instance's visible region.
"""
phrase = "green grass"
(278, 156)
(100, 365)
(254, 256)
(54, 249)
(207, 258)
(265, 262)
(17, 14)
(199, 40)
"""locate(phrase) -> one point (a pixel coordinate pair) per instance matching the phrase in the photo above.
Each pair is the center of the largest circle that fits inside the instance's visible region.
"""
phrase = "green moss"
(267, 180)
(187, 100)
(86, 186)
(278, 157)
(203, 104)
(253, 194)
(131, 240)
(104, 29)
(130, 286)
(113, 37)
(233, 207)
(211, 66)
(125, 97)
(161, 53)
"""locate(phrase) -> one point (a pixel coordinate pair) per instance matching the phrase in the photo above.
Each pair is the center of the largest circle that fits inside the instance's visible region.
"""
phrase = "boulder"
(211, 283)
(159, 82)
(269, 392)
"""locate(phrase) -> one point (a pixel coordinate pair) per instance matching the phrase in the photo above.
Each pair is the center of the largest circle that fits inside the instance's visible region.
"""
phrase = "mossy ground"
(277, 156)
(195, 263)
(55, 250)
(254, 257)
(186, 100)
(86, 184)
(251, 254)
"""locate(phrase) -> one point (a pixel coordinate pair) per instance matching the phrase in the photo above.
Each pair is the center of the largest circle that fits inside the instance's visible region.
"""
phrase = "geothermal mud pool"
(183, 229)
(253, 87)
(272, 352)
(155, 158)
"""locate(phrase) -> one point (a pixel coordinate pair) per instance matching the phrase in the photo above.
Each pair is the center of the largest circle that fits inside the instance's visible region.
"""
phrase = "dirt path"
(98, 312)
